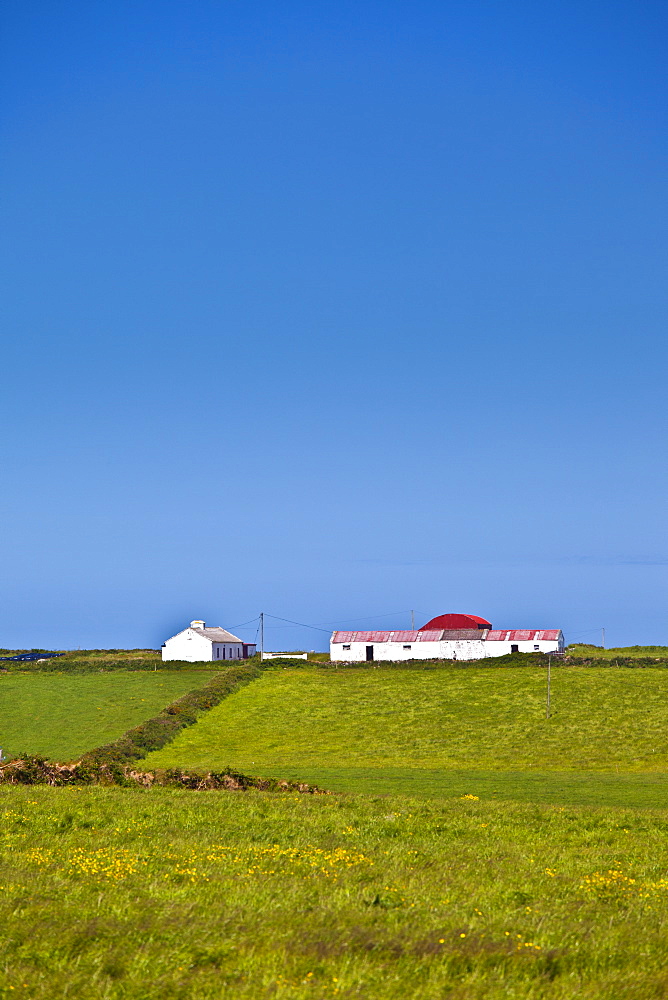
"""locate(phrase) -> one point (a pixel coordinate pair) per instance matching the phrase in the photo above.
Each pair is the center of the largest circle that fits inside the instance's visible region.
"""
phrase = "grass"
(617, 652)
(134, 895)
(508, 866)
(63, 715)
(438, 731)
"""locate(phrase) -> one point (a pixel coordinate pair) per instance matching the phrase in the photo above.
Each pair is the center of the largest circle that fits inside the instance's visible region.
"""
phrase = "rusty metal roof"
(410, 636)
(524, 635)
(448, 635)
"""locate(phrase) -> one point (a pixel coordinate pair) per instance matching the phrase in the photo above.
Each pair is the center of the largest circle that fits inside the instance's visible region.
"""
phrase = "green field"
(618, 652)
(119, 894)
(63, 715)
(499, 860)
(446, 731)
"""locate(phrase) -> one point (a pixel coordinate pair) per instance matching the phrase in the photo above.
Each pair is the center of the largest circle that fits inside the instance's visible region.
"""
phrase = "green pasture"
(445, 731)
(617, 652)
(123, 894)
(63, 715)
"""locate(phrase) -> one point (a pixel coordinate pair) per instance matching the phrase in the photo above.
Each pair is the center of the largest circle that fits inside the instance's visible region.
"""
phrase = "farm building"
(447, 637)
(197, 643)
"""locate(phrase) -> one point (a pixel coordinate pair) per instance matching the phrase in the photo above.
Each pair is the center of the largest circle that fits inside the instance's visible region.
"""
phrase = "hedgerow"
(36, 770)
(508, 660)
(112, 764)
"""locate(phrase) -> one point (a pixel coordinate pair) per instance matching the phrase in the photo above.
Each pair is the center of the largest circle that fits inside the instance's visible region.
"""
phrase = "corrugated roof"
(438, 635)
(524, 635)
(409, 636)
(216, 634)
(373, 636)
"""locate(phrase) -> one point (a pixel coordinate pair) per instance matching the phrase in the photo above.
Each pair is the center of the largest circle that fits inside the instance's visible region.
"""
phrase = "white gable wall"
(187, 645)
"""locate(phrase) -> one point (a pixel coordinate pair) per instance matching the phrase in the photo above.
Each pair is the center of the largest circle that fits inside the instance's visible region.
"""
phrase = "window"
(346, 647)
(407, 647)
(217, 652)
(536, 648)
(223, 652)
(514, 648)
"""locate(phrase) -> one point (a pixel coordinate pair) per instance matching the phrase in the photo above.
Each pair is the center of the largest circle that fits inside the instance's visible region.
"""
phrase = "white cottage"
(197, 643)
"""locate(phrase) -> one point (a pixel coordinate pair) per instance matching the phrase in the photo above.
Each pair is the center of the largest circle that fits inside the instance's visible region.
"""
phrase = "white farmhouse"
(197, 643)
(447, 637)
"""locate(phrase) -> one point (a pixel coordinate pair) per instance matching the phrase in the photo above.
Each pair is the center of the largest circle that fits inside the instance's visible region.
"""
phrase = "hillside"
(442, 729)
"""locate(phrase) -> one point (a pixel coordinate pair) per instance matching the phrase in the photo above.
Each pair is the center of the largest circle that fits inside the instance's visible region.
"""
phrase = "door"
(369, 652)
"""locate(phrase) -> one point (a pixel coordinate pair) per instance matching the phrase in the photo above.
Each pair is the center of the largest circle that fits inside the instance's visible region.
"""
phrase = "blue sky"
(332, 311)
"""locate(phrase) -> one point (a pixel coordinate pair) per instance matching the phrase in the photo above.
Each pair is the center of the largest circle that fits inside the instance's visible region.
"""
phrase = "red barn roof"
(456, 621)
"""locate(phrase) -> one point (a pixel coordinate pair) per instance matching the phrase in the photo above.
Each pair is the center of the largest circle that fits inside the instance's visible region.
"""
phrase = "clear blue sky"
(333, 311)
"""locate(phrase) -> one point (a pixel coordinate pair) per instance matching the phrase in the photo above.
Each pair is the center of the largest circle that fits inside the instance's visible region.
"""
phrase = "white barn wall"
(462, 649)
(384, 651)
(500, 648)
(458, 649)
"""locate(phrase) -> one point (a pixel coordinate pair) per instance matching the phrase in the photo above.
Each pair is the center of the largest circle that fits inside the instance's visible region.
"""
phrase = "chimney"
(197, 624)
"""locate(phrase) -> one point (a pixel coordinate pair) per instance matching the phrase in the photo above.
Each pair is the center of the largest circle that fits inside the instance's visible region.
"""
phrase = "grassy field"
(63, 715)
(617, 652)
(446, 731)
(134, 895)
(506, 867)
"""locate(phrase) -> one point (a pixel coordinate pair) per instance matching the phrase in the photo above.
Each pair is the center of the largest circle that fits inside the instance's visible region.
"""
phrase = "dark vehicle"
(31, 656)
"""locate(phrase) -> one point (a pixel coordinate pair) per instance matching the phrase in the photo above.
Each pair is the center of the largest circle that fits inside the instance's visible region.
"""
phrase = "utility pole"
(261, 636)
(549, 679)
(603, 637)
(412, 621)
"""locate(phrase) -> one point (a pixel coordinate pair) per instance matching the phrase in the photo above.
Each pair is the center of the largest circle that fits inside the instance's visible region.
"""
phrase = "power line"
(243, 624)
(301, 624)
(317, 628)
(366, 618)
(588, 631)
